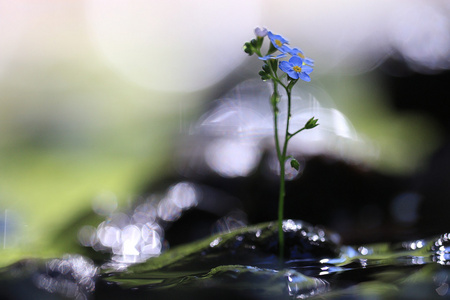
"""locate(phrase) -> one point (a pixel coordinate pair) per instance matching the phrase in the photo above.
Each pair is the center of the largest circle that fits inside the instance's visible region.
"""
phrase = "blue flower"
(297, 52)
(296, 68)
(261, 32)
(278, 42)
(267, 57)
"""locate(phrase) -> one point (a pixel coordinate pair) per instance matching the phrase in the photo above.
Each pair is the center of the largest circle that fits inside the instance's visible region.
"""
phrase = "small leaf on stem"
(295, 164)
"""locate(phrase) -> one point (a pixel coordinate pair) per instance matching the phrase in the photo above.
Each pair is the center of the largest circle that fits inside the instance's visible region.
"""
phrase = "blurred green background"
(93, 95)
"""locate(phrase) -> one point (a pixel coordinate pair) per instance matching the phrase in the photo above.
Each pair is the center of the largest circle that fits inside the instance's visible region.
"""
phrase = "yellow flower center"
(297, 69)
(279, 43)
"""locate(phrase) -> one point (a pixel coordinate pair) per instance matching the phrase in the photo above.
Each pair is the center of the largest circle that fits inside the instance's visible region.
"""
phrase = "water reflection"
(384, 271)
(232, 158)
(73, 277)
(300, 286)
(138, 234)
(441, 248)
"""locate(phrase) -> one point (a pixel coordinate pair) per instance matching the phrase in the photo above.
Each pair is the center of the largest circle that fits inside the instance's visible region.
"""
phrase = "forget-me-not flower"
(297, 52)
(278, 41)
(261, 32)
(296, 68)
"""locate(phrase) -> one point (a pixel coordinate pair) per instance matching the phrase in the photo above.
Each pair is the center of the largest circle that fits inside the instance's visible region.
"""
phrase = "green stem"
(275, 120)
(282, 161)
(281, 210)
(292, 134)
(281, 152)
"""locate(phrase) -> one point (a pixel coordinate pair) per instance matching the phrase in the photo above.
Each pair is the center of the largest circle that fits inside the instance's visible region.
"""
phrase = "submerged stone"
(243, 262)
(254, 245)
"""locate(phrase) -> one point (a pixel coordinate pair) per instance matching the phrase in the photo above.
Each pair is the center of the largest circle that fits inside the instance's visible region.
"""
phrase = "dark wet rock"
(236, 282)
(243, 264)
(254, 245)
(236, 264)
(407, 270)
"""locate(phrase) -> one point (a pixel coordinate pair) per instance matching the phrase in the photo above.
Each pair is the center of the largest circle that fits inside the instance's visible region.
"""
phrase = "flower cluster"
(298, 66)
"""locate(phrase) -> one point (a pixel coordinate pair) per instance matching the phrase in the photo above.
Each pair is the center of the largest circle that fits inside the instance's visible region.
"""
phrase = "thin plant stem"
(281, 192)
(281, 155)
(282, 161)
(281, 152)
(281, 211)
(293, 70)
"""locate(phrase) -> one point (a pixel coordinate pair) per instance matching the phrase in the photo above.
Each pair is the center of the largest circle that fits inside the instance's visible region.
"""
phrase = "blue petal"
(281, 55)
(306, 69)
(284, 49)
(277, 37)
(296, 60)
(293, 74)
(267, 57)
(285, 66)
(295, 51)
(309, 61)
(305, 77)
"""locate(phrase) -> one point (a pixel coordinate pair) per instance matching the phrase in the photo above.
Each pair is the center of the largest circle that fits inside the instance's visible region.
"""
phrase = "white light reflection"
(215, 242)
(363, 250)
(413, 245)
(363, 262)
(109, 236)
(291, 225)
(139, 235)
(145, 213)
(233, 220)
(301, 286)
(441, 248)
(421, 33)
(243, 118)
(180, 197)
(130, 237)
(232, 158)
(183, 195)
